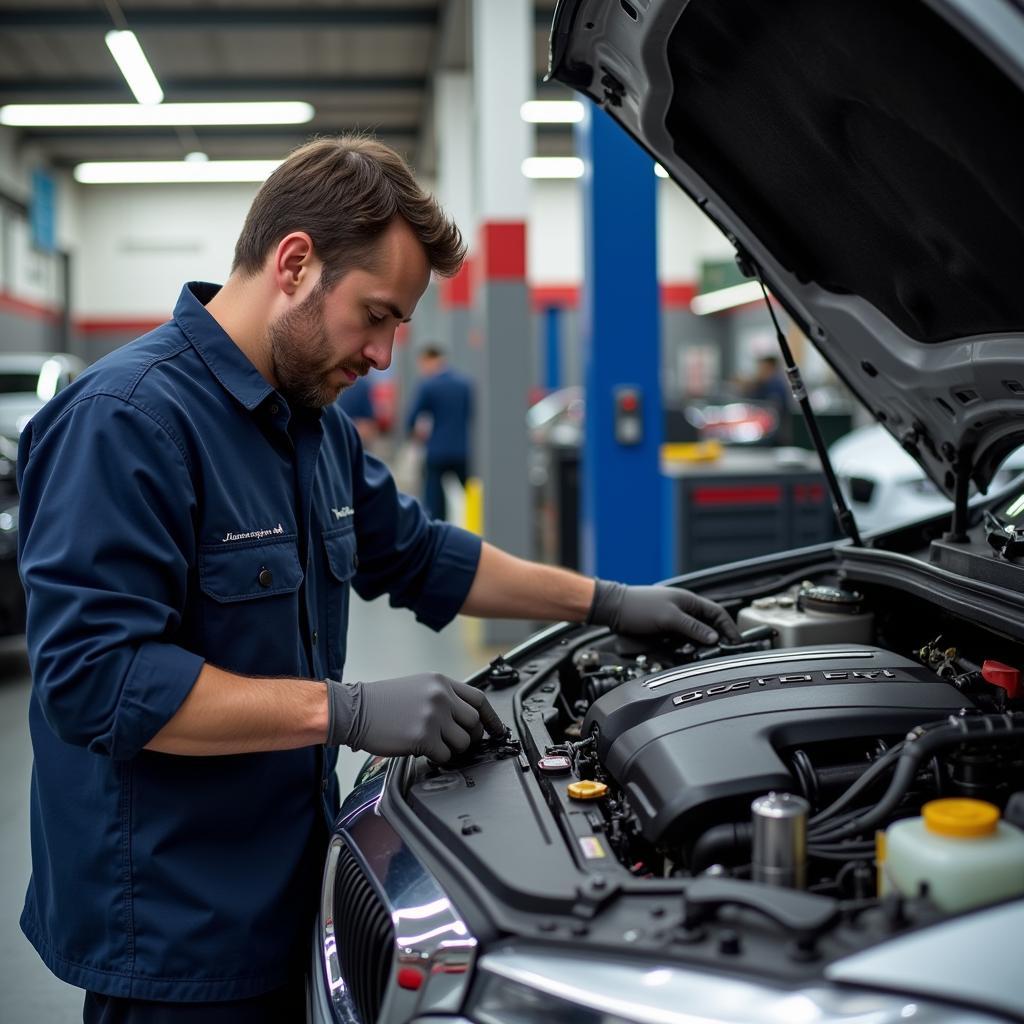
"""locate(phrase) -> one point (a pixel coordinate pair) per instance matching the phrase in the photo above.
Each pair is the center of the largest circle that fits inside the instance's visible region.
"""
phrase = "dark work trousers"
(282, 1006)
(433, 492)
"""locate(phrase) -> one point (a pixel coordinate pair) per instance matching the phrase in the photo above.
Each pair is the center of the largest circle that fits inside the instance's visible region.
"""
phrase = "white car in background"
(886, 487)
(27, 381)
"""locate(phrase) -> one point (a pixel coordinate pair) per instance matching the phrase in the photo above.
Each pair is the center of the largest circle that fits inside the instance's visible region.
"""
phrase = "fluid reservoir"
(813, 615)
(960, 849)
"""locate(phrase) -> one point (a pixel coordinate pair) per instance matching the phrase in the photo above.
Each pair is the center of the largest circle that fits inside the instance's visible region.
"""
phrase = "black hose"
(721, 843)
(869, 776)
(922, 743)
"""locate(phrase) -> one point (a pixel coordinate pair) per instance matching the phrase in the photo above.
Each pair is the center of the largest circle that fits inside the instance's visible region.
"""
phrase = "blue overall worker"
(358, 403)
(194, 510)
(445, 397)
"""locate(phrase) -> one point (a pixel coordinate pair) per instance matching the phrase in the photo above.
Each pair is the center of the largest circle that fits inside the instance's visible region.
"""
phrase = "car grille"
(365, 936)
(861, 490)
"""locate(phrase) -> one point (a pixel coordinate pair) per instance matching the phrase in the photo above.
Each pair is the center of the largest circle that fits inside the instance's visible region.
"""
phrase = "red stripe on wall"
(23, 307)
(678, 295)
(111, 326)
(503, 250)
(767, 494)
(544, 296)
(457, 291)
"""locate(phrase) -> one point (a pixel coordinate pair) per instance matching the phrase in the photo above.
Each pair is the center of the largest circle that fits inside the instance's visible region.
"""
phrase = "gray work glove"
(421, 714)
(648, 611)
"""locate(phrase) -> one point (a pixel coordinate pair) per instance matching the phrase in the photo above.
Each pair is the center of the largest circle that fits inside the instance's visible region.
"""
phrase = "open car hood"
(868, 157)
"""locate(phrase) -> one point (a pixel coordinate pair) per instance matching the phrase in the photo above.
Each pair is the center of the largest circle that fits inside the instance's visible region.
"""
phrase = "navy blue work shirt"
(448, 397)
(174, 511)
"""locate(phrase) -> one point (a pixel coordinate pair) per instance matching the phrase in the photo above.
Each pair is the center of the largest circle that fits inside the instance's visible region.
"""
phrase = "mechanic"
(445, 397)
(194, 509)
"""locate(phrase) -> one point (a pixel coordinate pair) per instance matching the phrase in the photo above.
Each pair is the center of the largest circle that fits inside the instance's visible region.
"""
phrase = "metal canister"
(780, 840)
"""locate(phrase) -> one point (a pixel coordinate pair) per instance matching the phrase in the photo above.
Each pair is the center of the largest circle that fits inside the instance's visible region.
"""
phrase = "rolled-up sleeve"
(423, 565)
(106, 541)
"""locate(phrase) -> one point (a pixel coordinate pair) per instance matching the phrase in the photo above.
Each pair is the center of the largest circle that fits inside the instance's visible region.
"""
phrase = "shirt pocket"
(250, 606)
(341, 551)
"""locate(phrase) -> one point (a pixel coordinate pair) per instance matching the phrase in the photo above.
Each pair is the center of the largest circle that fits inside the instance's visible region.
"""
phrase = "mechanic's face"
(333, 337)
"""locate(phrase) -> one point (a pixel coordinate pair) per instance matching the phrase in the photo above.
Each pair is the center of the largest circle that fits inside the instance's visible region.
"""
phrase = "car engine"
(682, 741)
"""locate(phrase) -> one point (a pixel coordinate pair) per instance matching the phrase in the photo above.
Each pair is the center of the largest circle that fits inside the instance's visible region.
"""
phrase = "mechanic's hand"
(647, 611)
(421, 714)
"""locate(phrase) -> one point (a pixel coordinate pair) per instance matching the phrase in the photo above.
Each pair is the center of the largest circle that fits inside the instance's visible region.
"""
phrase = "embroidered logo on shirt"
(253, 534)
(343, 513)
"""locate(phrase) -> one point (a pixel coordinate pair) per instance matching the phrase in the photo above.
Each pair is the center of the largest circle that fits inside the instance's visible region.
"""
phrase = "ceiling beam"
(186, 18)
(211, 132)
(115, 85)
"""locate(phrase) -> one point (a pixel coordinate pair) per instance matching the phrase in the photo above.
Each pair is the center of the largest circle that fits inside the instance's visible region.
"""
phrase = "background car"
(12, 595)
(27, 380)
(886, 487)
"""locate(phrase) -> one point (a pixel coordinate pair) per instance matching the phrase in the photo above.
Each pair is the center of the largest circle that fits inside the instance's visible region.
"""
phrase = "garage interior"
(704, 459)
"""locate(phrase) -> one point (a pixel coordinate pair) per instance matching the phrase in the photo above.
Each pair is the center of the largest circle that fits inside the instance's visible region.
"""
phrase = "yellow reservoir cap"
(960, 817)
(587, 790)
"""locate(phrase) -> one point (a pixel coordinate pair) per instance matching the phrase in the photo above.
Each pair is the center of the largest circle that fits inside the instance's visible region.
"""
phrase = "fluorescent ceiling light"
(726, 298)
(553, 167)
(552, 111)
(125, 48)
(119, 115)
(150, 172)
(660, 171)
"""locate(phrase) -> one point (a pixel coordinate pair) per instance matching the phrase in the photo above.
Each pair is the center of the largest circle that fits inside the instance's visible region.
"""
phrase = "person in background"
(770, 385)
(357, 402)
(445, 396)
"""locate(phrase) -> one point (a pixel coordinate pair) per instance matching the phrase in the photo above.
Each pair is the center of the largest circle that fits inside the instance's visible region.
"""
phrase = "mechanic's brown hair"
(344, 191)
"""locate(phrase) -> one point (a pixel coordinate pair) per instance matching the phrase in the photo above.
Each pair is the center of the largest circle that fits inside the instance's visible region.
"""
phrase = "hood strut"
(796, 384)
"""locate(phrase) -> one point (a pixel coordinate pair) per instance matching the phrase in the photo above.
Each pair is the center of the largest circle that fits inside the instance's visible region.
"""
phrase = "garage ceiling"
(363, 64)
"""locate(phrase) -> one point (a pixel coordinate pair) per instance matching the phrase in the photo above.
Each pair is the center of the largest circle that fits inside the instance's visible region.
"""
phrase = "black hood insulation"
(916, 153)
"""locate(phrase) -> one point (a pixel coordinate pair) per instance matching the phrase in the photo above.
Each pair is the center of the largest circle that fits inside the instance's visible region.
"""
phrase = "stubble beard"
(300, 355)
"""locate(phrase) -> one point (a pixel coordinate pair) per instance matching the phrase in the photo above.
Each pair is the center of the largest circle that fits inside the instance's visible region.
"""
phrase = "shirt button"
(266, 577)
(316, 636)
(275, 409)
(355, 561)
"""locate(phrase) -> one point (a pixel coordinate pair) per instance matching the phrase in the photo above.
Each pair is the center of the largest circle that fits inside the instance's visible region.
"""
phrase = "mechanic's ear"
(294, 261)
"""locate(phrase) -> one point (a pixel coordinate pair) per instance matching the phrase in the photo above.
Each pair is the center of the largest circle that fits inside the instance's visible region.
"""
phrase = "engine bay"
(732, 798)
(682, 740)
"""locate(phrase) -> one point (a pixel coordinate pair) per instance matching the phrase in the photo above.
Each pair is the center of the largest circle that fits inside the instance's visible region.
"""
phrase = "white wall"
(554, 233)
(136, 245)
(685, 236)
(139, 243)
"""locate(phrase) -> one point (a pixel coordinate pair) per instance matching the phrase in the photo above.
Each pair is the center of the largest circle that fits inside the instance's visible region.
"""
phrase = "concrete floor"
(382, 643)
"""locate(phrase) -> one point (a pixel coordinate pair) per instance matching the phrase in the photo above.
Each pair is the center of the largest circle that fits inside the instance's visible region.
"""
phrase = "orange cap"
(960, 817)
(588, 789)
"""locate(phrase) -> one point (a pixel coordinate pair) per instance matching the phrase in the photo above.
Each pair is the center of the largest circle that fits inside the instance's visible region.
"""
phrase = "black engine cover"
(693, 746)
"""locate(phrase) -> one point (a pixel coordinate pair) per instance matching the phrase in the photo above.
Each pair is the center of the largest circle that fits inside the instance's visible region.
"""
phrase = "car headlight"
(531, 986)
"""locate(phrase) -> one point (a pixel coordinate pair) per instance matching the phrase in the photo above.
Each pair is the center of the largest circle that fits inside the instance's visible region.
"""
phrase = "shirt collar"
(226, 361)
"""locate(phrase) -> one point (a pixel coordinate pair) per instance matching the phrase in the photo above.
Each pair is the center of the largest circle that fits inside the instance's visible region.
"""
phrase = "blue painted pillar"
(552, 348)
(623, 502)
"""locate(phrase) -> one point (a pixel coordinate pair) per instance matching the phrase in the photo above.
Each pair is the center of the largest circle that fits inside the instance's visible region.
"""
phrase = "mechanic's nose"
(379, 351)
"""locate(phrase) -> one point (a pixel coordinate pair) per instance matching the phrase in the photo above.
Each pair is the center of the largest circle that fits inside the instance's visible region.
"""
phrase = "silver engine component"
(780, 840)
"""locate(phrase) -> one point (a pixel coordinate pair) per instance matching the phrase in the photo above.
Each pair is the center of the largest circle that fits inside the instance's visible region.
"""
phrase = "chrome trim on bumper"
(430, 936)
